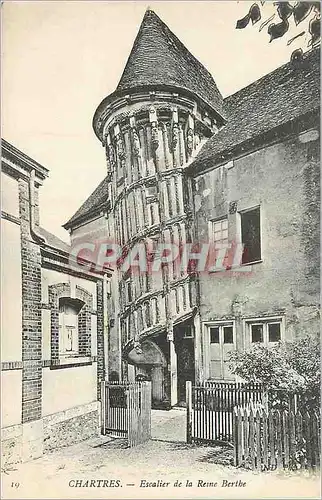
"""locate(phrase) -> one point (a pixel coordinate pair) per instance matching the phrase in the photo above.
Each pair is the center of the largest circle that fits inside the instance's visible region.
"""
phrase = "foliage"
(283, 13)
(292, 367)
(304, 357)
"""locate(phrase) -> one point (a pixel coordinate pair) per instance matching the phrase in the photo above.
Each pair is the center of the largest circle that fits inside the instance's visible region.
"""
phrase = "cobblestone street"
(166, 458)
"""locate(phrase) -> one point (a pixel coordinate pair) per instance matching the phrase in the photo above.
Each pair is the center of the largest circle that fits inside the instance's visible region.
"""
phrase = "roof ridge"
(306, 54)
(286, 98)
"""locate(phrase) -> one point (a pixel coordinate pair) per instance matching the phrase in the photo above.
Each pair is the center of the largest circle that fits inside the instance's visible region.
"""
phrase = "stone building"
(165, 107)
(257, 182)
(52, 342)
(185, 165)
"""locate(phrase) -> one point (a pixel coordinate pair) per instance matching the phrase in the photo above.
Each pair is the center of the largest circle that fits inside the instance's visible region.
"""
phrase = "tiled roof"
(96, 199)
(283, 95)
(53, 241)
(159, 58)
(280, 97)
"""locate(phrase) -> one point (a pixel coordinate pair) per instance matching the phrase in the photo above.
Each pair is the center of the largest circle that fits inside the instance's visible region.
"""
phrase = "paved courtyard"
(104, 468)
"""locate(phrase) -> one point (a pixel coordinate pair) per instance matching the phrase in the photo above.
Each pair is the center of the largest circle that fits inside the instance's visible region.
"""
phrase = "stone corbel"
(154, 128)
(136, 338)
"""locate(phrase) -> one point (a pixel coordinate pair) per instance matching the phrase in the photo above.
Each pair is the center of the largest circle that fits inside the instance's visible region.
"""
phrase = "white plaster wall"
(65, 388)
(11, 394)
(11, 292)
(9, 195)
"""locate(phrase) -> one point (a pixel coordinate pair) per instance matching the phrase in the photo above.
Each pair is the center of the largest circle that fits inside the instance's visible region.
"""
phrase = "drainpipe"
(33, 230)
(105, 325)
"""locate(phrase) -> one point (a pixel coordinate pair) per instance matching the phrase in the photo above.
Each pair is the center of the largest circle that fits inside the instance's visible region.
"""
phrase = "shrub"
(291, 367)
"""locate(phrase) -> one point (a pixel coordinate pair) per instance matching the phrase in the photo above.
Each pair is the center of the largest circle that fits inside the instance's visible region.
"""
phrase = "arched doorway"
(151, 362)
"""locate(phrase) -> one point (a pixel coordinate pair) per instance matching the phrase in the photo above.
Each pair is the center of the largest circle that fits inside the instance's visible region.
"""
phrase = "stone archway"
(151, 362)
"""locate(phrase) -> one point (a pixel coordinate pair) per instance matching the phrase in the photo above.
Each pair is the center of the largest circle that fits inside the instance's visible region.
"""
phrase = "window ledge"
(235, 268)
(251, 263)
(68, 362)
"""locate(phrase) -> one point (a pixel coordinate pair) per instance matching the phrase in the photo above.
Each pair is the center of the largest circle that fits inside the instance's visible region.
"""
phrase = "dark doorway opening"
(184, 344)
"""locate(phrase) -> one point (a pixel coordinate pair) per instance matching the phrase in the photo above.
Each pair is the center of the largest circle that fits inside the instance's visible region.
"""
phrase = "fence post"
(236, 440)
(189, 410)
(103, 408)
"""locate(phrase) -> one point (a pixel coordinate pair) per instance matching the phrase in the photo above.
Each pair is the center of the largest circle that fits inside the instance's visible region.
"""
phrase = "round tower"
(165, 107)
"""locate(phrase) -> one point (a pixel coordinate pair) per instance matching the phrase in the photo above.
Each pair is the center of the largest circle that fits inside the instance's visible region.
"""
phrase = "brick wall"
(31, 314)
(84, 321)
(100, 338)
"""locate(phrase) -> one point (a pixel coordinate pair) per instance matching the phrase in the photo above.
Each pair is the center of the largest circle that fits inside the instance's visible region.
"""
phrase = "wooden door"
(222, 342)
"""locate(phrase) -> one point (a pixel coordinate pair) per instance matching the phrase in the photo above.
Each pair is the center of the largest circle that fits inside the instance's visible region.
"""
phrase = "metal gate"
(126, 411)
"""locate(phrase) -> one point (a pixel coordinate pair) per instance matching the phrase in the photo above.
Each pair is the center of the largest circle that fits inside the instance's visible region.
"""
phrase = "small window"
(257, 333)
(214, 335)
(250, 233)
(219, 233)
(228, 335)
(266, 331)
(274, 332)
(222, 334)
(188, 333)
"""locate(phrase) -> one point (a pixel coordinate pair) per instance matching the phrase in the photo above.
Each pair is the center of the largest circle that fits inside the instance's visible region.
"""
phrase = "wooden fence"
(210, 407)
(266, 440)
(126, 411)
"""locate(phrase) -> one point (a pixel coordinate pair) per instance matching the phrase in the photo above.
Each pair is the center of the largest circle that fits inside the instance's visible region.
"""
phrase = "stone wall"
(11, 445)
(277, 179)
(283, 179)
(71, 426)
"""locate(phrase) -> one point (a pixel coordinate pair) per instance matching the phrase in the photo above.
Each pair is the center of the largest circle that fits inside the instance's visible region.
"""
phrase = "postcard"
(160, 203)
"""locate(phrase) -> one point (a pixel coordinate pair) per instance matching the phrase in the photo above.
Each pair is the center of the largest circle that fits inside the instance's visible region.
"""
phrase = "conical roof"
(159, 58)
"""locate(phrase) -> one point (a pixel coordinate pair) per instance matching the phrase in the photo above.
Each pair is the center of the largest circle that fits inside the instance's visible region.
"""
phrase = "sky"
(61, 58)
